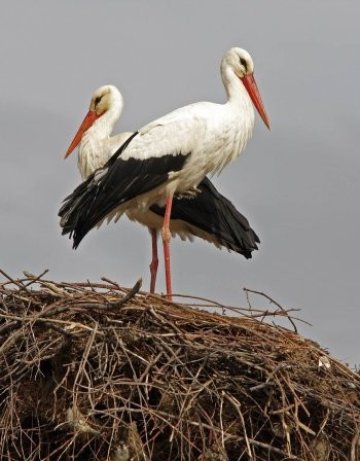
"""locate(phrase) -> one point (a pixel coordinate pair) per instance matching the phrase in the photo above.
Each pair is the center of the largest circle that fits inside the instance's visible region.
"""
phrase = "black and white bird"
(170, 155)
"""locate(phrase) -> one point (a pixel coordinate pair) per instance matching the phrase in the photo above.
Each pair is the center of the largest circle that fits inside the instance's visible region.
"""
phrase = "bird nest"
(93, 371)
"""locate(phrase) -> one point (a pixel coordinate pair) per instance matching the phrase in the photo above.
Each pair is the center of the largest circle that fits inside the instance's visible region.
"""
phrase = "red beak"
(89, 119)
(254, 93)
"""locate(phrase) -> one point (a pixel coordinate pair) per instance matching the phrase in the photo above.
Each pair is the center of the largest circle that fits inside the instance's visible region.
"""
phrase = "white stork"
(208, 214)
(169, 155)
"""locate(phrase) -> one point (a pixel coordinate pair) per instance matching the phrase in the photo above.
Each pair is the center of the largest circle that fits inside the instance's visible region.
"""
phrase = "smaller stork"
(205, 214)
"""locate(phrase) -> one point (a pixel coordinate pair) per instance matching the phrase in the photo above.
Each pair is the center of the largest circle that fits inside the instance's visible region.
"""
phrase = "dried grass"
(93, 371)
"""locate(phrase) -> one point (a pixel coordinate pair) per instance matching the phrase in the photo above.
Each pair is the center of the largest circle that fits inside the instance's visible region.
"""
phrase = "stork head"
(242, 65)
(104, 99)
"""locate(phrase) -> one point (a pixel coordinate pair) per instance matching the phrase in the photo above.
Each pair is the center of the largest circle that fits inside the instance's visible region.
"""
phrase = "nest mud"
(94, 371)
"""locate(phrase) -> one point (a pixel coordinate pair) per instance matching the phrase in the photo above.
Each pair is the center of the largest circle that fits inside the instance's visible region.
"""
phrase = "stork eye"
(243, 62)
(97, 100)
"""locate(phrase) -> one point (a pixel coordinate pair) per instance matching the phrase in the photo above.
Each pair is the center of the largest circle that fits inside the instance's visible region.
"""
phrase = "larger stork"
(170, 155)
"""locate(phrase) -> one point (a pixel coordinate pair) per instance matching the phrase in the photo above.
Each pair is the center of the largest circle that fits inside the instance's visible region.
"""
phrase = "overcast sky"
(298, 184)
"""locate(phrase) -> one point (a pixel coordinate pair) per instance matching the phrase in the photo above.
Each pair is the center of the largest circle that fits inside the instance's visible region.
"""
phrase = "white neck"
(235, 89)
(104, 125)
(95, 146)
(239, 101)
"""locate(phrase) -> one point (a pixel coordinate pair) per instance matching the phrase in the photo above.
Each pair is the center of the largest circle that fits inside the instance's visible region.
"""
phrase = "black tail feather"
(214, 214)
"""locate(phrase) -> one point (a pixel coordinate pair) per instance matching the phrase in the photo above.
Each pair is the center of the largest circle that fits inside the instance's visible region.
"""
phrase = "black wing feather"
(215, 214)
(117, 182)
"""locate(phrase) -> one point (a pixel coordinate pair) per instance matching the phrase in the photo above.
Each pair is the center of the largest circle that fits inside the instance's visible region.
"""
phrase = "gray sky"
(298, 184)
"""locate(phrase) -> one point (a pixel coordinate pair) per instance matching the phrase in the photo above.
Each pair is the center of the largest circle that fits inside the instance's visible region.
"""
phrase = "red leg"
(154, 262)
(166, 235)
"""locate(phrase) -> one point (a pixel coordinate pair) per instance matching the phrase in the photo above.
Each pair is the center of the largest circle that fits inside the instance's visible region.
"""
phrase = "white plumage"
(207, 215)
(169, 155)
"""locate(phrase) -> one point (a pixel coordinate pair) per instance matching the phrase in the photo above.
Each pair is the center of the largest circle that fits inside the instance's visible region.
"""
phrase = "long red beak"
(89, 119)
(254, 93)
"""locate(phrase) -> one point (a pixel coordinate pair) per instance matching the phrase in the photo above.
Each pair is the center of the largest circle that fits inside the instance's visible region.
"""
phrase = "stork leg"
(166, 235)
(154, 261)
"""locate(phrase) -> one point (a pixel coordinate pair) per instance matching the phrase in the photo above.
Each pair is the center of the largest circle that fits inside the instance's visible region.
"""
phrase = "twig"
(34, 278)
(54, 327)
(267, 382)
(117, 304)
(237, 406)
(8, 327)
(15, 282)
(247, 290)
